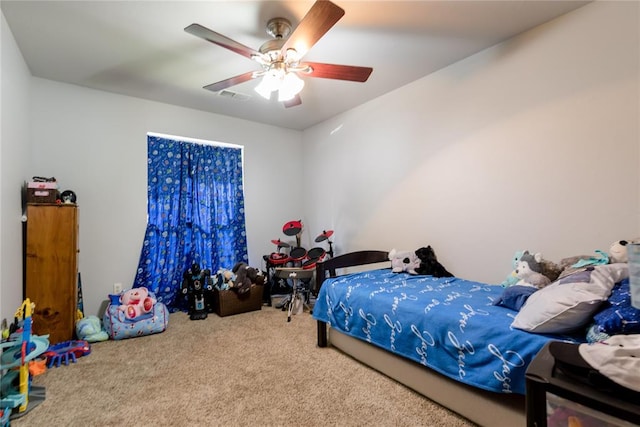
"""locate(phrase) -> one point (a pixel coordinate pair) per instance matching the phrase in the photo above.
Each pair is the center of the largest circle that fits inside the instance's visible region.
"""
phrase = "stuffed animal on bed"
(547, 268)
(429, 264)
(512, 279)
(617, 253)
(618, 250)
(529, 271)
(404, 261)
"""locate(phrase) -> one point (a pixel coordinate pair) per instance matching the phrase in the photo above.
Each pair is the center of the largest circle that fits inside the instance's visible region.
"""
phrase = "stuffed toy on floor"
(90, 329)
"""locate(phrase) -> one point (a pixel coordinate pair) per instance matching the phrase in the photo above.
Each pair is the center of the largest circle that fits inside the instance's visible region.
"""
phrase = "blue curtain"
(195, 206)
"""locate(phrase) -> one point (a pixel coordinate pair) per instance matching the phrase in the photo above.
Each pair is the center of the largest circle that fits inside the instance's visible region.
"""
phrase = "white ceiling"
(139, 48)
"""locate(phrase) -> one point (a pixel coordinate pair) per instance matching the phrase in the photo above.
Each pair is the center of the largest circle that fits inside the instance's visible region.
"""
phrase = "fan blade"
(321, 17)
(338, 72)
(232, 81)
(224, 41)
(296, 100)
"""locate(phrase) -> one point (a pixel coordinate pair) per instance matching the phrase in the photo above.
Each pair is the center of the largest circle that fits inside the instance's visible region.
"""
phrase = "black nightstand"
(552, 397)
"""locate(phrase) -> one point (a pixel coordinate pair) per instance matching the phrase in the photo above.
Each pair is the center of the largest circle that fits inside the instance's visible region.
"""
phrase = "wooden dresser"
(51, 269)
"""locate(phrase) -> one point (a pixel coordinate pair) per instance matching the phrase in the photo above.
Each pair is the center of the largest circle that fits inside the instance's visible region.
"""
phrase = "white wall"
(14, 155)
(531, 144)
(95, 143)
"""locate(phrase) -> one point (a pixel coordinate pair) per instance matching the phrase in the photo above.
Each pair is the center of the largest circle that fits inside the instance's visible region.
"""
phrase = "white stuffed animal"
(404, 261)
(618, 250)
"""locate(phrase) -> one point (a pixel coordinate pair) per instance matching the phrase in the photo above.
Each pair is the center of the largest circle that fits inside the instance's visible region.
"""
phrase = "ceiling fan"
(281, 58)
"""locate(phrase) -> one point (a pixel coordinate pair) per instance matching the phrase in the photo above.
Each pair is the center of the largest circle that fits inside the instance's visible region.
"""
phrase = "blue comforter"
(447, 324)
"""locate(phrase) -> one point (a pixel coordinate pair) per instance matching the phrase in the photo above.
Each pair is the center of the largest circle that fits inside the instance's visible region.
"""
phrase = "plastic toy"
(197, 285)
(4, 416)
(16, 395)
(66, 351)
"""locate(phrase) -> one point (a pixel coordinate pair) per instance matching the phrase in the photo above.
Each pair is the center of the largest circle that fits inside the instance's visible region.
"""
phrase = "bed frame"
(482, 407)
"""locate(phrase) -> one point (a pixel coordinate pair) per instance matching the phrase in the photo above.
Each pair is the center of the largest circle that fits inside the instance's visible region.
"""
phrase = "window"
(195, 213)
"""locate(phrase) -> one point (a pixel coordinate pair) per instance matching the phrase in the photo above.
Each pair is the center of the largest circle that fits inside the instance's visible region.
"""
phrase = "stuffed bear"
(618, 250)
(404, 261)
(135, 302)
(243, 281)
(429, 264)
(529, 271)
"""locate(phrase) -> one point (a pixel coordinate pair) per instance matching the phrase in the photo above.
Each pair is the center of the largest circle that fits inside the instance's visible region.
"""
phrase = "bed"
(443, 337)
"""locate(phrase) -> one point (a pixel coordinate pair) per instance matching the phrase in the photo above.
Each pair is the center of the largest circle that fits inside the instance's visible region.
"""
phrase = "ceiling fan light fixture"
(280, 58)
(270, 82)
(290, 87)
(291, 57)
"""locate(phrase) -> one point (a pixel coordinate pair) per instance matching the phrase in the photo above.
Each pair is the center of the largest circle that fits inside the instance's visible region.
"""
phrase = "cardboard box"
(228, 302)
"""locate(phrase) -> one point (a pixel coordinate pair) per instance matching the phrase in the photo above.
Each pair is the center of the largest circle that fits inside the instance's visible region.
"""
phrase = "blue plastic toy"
(66, 351)
(16, 395)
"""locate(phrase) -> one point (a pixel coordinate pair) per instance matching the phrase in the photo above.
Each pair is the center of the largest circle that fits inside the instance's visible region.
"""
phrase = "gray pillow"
(569, 303)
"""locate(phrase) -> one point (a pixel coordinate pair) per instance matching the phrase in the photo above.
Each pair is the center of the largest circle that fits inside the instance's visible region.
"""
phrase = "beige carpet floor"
(250, 369)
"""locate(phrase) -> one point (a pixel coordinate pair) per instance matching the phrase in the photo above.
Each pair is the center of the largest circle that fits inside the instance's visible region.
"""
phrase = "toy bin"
(228, 302)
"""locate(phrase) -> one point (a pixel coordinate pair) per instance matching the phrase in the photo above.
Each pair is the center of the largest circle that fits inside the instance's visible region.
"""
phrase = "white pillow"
(569, 303)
